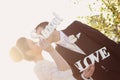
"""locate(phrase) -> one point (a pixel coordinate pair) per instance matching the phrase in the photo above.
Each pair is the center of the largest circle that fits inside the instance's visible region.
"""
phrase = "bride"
(44, 69)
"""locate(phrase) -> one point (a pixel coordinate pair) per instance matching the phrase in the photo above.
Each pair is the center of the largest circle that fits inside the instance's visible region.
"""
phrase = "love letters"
(97, 56)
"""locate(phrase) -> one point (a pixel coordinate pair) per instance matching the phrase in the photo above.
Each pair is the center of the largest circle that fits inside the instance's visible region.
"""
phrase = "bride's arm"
(61, 63)
(59, 60)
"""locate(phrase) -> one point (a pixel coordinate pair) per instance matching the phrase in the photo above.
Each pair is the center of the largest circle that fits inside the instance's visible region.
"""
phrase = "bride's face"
(34, 49)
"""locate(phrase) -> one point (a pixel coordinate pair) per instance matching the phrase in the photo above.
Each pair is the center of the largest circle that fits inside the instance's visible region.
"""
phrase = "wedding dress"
(46, 70)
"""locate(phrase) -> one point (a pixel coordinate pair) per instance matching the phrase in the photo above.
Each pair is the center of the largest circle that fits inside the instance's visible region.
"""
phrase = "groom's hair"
(42, 24)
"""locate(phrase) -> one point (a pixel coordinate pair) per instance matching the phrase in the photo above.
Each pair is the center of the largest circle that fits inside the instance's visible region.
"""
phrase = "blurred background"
(19, 17)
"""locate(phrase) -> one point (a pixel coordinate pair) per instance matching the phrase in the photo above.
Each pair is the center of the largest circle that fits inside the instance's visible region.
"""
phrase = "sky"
(18, 18)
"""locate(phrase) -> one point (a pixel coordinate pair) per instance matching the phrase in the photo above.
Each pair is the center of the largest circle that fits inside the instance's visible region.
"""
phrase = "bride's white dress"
(46, 70)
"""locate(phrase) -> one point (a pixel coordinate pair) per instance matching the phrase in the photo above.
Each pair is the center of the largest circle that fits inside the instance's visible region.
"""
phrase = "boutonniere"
(72, 39)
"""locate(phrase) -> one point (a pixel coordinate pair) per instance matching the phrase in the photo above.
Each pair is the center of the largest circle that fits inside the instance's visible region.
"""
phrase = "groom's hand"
(87, 73)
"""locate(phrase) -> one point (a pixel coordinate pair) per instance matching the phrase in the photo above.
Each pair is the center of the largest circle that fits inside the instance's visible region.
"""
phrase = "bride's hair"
(22, 44)
(18, 52)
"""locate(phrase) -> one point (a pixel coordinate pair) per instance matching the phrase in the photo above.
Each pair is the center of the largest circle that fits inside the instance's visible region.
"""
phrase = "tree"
(108, 20)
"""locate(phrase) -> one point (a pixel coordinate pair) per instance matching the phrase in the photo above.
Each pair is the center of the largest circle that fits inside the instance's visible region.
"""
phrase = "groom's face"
(38, 30)
(50, 38)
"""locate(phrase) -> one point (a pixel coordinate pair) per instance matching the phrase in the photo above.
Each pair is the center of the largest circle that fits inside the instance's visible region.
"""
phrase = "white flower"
(72, 39)
(78, 35)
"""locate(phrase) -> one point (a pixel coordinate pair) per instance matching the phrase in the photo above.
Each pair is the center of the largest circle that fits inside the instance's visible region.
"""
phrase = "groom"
(80, 45)
(92, 42)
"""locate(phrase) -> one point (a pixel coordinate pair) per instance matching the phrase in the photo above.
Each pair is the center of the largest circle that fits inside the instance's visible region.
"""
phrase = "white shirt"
(46, 70)
(64, 41)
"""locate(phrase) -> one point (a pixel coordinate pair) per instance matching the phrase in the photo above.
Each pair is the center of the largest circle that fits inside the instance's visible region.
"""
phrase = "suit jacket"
(90, 41)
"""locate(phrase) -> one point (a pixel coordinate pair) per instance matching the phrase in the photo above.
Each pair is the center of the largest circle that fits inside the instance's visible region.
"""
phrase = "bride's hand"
(45, 45)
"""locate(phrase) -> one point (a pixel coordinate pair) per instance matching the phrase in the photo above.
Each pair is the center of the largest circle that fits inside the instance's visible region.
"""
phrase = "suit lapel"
(84, 42)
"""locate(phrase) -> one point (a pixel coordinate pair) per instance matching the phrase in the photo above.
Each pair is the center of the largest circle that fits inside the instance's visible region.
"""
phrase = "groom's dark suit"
(90, 41)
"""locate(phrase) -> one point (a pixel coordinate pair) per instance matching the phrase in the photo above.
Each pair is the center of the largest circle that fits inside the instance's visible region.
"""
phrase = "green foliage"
(108, 21)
